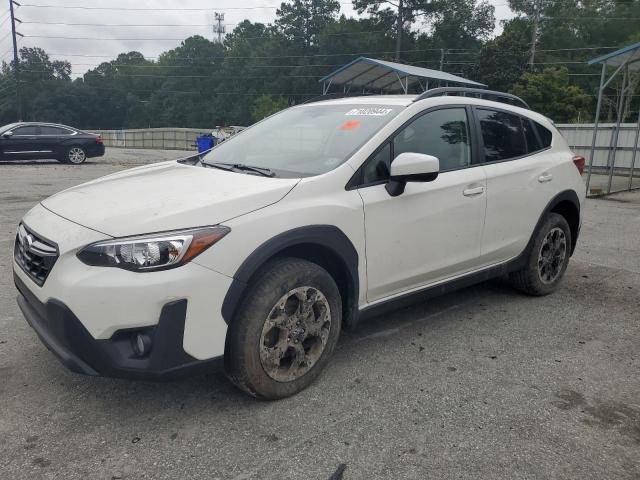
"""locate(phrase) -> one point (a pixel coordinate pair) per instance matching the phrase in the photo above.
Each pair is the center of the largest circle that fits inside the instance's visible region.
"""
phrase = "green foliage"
(551, 93)
(301, 21)
(502, 60)
(266, 105)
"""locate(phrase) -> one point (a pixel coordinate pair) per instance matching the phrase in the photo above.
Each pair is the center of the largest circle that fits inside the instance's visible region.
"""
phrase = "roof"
(629, 55)
(376, 74)
(406, 100)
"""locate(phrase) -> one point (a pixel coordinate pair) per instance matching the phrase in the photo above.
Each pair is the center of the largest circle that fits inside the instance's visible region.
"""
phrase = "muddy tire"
(285, 329)
(547, 259)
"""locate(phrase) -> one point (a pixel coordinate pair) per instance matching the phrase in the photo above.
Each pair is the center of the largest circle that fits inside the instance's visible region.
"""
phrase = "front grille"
(35, 255)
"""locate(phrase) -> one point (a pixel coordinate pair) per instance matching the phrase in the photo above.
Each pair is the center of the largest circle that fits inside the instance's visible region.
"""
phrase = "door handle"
(545, 177)
(472, 192)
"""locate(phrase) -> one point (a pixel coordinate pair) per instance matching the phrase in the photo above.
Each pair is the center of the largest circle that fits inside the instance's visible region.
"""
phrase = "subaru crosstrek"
(266, 247)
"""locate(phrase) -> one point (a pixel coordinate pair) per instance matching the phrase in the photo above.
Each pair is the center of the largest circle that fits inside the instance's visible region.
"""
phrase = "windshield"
(306, 140)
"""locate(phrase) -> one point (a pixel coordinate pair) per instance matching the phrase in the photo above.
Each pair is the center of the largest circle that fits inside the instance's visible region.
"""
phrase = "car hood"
(165, 196)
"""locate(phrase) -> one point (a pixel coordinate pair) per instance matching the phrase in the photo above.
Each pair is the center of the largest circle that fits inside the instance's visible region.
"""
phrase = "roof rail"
(475, 92)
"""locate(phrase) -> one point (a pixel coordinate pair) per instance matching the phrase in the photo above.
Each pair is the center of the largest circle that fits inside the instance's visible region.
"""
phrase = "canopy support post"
(635, 152)
(611, 160)
(596, 124)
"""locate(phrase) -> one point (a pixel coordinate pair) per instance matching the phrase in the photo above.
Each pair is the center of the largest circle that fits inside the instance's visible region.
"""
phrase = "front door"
(22, 144)
(432, 231)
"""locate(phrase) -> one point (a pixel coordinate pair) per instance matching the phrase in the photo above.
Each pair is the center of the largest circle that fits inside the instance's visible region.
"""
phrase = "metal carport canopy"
(628, 56)
(373, 74)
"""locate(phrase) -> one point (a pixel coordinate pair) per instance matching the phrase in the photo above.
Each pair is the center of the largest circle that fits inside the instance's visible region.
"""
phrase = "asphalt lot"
(482, 383)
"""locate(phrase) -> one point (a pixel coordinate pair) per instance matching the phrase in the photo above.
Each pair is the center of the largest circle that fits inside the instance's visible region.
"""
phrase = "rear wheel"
(285, 331)
(75, 155)
(547, 259)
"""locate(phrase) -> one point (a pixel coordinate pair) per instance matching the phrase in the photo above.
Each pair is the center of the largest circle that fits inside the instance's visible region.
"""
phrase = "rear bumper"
(63, 333)
(96, 150)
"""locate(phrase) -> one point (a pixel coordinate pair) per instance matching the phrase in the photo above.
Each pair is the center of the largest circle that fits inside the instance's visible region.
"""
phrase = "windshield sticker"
(369, 112)
(350, 125)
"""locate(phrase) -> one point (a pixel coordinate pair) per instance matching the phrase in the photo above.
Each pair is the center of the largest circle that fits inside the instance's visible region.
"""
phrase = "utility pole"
(534, 34)
(16, 63)
(399, 22)
(219, 28)
(442, 59)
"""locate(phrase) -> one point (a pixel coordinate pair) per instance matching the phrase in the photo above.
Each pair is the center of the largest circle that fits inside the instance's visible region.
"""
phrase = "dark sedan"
(29, 141)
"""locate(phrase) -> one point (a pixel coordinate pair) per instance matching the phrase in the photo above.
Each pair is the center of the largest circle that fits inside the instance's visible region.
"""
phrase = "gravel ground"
(481, 383)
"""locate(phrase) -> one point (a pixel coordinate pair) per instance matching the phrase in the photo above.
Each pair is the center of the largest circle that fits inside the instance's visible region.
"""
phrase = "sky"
(80, 26)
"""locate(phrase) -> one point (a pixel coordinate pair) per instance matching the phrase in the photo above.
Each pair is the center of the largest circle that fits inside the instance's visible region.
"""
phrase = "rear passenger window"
(47, 130)
(503, 135)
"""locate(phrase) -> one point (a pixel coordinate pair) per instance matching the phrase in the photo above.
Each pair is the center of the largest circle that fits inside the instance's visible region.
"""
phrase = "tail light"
(98, 139)
(579, 162)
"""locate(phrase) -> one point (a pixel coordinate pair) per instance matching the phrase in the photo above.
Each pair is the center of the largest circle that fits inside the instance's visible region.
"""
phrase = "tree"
(550, 93)
(452, 23)
(461, 23)
(301, 21)
(503, 60)
(266, 105)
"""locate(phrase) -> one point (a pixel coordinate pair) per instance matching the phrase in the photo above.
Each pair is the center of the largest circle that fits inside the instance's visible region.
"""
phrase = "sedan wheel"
(76, 155)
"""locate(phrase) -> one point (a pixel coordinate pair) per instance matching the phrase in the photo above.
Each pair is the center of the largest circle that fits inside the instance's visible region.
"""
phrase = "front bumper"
(84, 313)
(63, 333)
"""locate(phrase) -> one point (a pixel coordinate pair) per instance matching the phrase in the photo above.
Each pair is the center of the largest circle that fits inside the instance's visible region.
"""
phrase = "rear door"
(23, 144)
(52, 138)
(518, 161)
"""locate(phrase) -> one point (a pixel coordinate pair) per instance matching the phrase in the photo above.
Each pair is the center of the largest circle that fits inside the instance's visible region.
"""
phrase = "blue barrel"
(204, 143)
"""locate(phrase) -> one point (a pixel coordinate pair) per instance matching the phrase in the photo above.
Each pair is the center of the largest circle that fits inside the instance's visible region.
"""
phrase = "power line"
(240, 57)
(182, 39)
(208, 25)
(137, 9)
(95, 74)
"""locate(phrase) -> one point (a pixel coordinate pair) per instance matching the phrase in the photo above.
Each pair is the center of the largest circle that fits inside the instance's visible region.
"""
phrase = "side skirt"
(405, 300)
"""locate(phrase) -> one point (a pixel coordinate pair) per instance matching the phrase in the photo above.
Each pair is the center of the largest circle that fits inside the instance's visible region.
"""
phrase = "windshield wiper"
(266, 172)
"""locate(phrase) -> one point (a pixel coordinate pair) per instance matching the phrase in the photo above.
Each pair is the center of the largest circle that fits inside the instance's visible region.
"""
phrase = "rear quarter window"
(545, 135)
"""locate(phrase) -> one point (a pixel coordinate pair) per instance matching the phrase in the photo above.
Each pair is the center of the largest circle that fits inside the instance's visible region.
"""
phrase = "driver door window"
(441, 133)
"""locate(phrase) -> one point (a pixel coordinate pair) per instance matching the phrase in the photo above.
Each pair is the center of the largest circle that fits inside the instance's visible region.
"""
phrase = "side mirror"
(411, 167)
(8, 134)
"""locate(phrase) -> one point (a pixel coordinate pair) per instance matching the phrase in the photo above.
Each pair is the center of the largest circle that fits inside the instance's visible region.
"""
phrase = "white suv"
(270, 244)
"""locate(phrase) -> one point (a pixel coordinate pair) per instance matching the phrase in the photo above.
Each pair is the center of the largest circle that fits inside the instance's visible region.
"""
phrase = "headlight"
(152, 252)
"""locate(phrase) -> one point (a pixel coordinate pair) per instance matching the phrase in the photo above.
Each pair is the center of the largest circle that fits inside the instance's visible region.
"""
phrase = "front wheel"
(285, 331)
(547, 258)
(75, 155)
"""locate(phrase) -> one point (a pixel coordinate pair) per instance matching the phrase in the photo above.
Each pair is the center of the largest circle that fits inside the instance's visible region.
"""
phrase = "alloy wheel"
(295, 334)
(77, 155)
(552, 255)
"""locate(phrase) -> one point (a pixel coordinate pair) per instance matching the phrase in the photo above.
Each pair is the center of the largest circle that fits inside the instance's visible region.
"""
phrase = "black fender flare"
(326, 236)
(566, 195)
